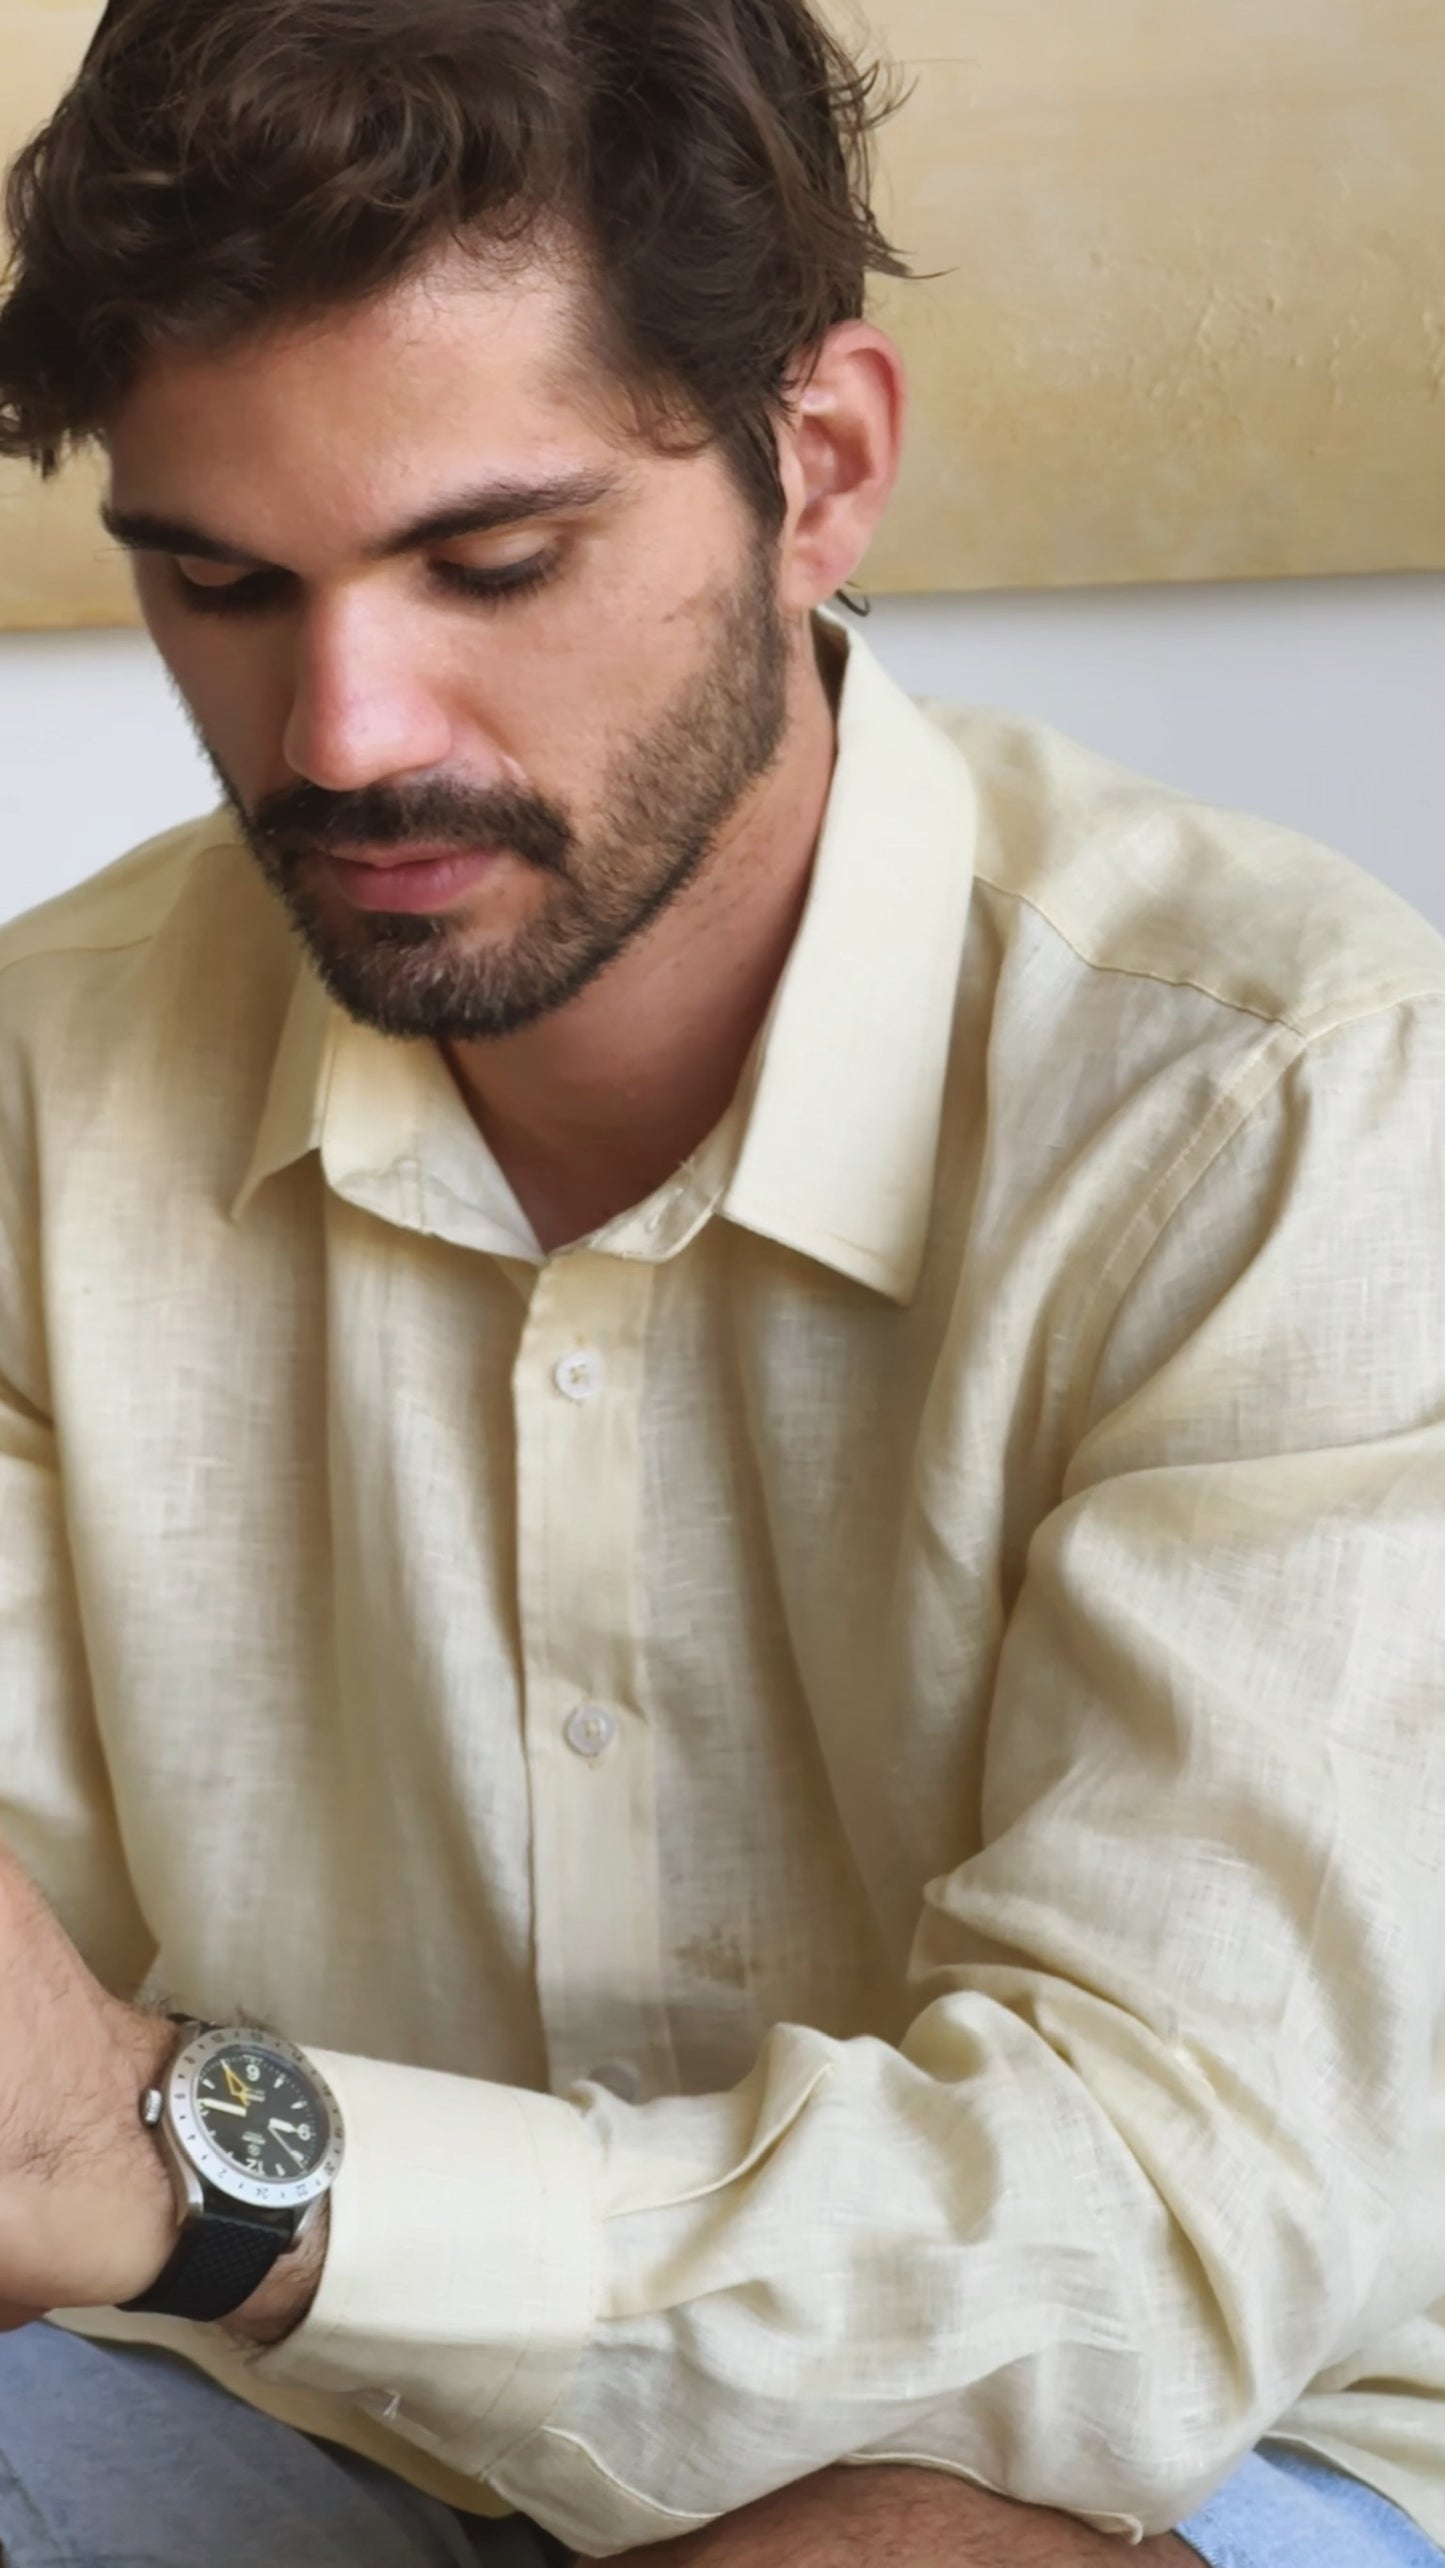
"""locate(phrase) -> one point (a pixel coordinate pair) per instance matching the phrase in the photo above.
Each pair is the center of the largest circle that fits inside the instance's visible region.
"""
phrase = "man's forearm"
(88, 2214)
(899, 2518)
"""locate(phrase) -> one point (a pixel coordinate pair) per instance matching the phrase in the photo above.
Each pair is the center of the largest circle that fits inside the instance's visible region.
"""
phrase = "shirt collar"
(832, 1146)
(841, 1147)
(293, 1118)
(389, 1123)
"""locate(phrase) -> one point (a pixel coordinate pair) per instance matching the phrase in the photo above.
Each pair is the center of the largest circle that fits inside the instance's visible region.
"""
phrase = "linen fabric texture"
(846, 1778)
(104, 2446)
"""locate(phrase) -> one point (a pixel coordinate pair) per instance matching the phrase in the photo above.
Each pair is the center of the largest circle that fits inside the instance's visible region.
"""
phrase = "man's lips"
(387, 860)
(409, 879)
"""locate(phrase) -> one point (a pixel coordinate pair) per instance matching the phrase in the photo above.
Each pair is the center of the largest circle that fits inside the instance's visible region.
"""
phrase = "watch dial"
(262, 2115)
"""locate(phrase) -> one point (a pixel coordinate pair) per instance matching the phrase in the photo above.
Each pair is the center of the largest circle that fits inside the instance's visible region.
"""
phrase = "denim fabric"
(1285, 2509)
(132, 2459)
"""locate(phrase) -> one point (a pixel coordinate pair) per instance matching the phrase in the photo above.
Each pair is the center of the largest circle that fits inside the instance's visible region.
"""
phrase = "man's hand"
(87, 2214)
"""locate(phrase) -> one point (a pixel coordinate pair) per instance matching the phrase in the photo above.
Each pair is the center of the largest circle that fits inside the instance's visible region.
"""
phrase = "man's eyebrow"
(140, 532)
(498, 504)
(476, 512)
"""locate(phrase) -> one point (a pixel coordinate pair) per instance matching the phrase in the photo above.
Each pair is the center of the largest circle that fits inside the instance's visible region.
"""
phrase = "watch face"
(262, 2114)
(249, 2115)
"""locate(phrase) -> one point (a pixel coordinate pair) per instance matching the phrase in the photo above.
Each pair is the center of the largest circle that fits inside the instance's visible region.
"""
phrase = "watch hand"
(238, 2086)
(297, 2155)
(214, 2104)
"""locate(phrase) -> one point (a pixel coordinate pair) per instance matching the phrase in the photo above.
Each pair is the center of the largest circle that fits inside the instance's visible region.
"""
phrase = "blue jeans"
(131, 2459)
(1285, 2509)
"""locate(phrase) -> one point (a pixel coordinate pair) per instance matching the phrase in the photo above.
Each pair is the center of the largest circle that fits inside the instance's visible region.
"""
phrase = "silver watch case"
(192, 2156)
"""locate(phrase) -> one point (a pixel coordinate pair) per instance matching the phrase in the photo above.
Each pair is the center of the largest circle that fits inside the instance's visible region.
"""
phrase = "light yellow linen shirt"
(848, 1778)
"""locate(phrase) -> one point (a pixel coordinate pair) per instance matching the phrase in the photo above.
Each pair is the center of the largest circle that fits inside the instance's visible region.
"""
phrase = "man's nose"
(362, 711)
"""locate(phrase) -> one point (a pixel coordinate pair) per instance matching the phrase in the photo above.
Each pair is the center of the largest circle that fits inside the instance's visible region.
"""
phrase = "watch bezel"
(189, 2135)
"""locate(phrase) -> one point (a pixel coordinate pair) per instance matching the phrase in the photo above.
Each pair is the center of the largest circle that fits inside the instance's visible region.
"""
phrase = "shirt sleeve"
(56, 1810)
(1160, 2144)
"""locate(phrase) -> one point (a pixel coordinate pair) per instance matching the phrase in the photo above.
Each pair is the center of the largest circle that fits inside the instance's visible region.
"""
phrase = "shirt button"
(591, 1731)
(620, 2079)
(580, 1376)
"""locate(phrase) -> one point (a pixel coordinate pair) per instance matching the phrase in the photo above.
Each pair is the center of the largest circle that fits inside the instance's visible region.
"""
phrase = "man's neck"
(590, 1111)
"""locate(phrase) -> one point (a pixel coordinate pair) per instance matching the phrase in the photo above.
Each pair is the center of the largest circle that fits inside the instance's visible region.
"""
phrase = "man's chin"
(424, 981)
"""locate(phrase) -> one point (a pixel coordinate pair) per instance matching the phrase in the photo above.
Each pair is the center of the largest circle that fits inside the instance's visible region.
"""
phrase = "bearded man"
(722, 1426)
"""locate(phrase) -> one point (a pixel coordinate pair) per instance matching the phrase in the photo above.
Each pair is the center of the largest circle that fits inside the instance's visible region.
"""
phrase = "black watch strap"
(222, 2259)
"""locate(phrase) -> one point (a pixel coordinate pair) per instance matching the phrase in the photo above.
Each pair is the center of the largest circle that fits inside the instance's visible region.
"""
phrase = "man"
(722, 1426)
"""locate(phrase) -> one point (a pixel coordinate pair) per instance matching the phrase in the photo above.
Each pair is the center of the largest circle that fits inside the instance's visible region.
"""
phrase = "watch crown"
(152, 2107)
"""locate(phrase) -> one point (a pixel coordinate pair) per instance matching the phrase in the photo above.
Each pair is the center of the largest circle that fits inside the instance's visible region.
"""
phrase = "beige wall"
(56, 567)
(1194, 320)
(1196, 328)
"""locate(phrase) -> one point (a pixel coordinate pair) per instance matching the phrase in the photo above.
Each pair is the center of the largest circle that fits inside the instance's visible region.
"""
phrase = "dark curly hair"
(221, 165)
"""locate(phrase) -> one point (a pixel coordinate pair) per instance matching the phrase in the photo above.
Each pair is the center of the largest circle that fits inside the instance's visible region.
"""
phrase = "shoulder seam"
(120, 944)
(48, 953)
(1307, 1032)
(1130, 971)
(1255, 1081)
(1152, 1220)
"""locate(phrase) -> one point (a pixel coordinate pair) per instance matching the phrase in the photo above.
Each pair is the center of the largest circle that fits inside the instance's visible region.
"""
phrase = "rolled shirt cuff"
(462, 2276)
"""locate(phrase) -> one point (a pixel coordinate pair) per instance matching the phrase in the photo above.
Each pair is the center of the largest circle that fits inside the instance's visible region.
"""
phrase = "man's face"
(475, 759)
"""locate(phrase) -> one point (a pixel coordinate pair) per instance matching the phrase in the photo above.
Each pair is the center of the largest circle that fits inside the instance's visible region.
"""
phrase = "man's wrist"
(284, 2299)
(149, 2041)
(96, 2209)
(145, 2045)
(277, 2308)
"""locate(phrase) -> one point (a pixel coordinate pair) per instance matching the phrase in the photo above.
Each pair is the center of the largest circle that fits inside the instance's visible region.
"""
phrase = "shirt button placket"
(578, 1390)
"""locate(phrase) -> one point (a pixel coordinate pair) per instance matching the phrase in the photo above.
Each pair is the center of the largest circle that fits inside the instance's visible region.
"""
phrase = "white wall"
(1317, 703)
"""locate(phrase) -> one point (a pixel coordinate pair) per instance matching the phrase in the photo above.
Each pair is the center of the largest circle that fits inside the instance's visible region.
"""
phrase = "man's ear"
(840, 457)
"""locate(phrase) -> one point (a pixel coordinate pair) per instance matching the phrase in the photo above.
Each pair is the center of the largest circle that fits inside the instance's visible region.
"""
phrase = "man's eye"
(197, 572)
(209, 588)
(486, 587)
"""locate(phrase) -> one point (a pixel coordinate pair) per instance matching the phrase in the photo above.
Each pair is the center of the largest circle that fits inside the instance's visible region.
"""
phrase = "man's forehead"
(452, 396)
(517, 330)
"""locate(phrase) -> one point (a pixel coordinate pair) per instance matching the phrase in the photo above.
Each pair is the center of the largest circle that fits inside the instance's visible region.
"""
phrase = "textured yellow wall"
(56, 566)
(1193, 325)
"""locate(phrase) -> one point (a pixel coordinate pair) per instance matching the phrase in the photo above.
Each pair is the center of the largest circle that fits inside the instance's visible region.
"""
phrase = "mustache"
(305, 819)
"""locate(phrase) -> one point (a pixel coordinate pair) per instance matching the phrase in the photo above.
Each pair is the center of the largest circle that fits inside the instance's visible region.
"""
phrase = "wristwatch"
(252, 2136)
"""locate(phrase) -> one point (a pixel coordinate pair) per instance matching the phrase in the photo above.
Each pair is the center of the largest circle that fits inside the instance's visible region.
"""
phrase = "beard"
(667, 797)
